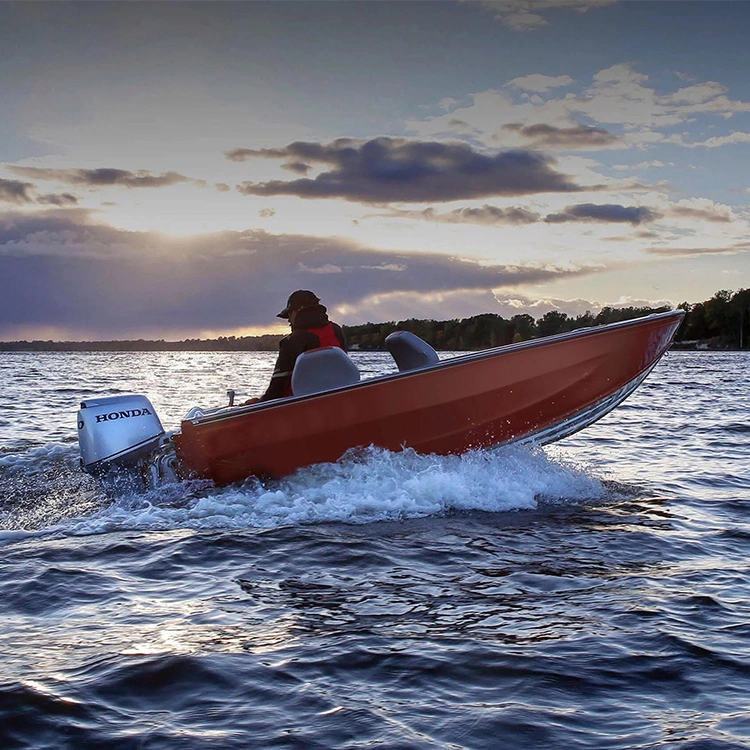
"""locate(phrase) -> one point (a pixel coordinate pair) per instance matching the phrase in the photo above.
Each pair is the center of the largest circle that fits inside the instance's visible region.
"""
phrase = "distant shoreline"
(700, 331)
(213, 345)
(259, 343)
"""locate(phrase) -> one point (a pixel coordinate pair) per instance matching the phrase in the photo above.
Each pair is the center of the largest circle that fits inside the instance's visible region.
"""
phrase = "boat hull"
(539, 390)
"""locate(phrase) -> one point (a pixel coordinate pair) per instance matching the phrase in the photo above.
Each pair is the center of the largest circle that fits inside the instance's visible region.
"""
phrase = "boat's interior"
(330, 367)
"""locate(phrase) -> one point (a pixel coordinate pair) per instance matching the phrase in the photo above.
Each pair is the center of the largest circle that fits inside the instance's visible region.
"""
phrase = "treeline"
(267, 342)
(488, 330)
(722, 322)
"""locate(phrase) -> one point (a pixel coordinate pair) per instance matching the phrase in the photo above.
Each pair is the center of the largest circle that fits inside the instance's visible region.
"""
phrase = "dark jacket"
(301, 339)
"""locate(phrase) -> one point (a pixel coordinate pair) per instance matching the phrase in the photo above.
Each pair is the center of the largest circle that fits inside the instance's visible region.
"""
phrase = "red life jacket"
(327, 335)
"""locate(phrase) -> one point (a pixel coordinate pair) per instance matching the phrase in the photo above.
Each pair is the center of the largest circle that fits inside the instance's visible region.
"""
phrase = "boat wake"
(43, 492)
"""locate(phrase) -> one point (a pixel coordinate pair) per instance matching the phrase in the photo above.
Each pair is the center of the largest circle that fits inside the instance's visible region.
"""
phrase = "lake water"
(591, 594)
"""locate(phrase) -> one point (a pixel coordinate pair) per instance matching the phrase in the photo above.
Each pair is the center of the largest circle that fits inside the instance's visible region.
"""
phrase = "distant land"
(723, 322)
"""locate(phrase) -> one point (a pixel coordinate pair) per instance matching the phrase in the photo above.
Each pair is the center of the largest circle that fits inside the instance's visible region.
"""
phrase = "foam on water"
(42, 486)
(38, 460)
(366, 485)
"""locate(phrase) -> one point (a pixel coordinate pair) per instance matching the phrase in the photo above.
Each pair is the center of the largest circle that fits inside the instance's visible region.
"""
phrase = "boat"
(537, 391)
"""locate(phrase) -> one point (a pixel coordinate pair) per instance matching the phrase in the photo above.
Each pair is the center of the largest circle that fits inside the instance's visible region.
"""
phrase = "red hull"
(543, 389)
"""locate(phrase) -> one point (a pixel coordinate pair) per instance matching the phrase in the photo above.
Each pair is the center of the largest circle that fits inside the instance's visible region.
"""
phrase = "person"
(311, 329)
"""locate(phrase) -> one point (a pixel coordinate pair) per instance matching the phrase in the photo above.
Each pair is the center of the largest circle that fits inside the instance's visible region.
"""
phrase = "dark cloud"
(58, 199)
(104, 177)
(608, 213)
(395, 169)
(298, 167)
(69, 232)
(59, 268)
(300, 150)
(13, 191)
(578, 136)
(516, 216)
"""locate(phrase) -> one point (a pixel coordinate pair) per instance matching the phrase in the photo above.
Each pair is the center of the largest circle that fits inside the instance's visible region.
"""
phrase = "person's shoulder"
(298, 334)
(300, 337)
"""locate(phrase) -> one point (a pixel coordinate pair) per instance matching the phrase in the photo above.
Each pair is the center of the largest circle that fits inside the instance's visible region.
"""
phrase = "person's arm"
(282, 372)
(290, 347)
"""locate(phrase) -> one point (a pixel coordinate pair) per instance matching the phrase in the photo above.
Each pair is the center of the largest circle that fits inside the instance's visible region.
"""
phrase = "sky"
(174, 170)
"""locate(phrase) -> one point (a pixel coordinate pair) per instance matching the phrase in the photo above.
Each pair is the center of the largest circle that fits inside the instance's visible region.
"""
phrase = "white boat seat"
(409, 351)
(322, 370)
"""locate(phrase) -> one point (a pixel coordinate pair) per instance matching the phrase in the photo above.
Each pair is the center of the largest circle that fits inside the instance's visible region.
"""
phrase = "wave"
(44, 491)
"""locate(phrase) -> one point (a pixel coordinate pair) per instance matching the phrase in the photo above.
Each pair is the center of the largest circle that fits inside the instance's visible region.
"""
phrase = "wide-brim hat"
(297, 300)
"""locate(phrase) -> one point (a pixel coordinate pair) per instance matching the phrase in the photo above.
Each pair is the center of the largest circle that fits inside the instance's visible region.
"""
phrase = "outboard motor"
(123, 442)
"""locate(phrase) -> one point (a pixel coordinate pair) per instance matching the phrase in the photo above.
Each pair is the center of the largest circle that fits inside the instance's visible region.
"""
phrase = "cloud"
(696, 94)
(512, 303)
(13, 191)
(719, 215)
(540, 83)
(575, 137)
(441, 305)
(485, 215)
(732, 139)
(737, 247)
(488, 215)
(620, 95)
(104, 177)
(298, 167)
(58, 199)
(525, 15)
(68, 232)
(60, 267)
(398, 170)
(619, 108)
(609, 212)
(463, 303)
(655, 163)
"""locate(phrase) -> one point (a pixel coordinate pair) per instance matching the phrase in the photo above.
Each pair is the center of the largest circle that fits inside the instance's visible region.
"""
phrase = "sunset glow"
(176, 169)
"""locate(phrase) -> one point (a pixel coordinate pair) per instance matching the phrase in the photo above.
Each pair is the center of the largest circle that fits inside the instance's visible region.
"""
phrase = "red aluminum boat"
(543, 389)
(540, 390)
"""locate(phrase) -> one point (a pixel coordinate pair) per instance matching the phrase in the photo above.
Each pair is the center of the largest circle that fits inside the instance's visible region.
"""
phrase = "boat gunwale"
(229, 413)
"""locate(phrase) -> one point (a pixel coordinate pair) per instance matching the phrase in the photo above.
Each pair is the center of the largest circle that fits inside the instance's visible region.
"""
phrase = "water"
(593, 594)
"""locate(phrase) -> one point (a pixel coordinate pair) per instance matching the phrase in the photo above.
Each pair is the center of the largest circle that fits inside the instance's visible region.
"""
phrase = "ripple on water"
(591, 595)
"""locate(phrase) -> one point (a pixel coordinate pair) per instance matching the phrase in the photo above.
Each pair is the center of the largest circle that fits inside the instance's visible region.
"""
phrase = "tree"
(719, 314)
(551, 323)
(740, 315)
(525, 327)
